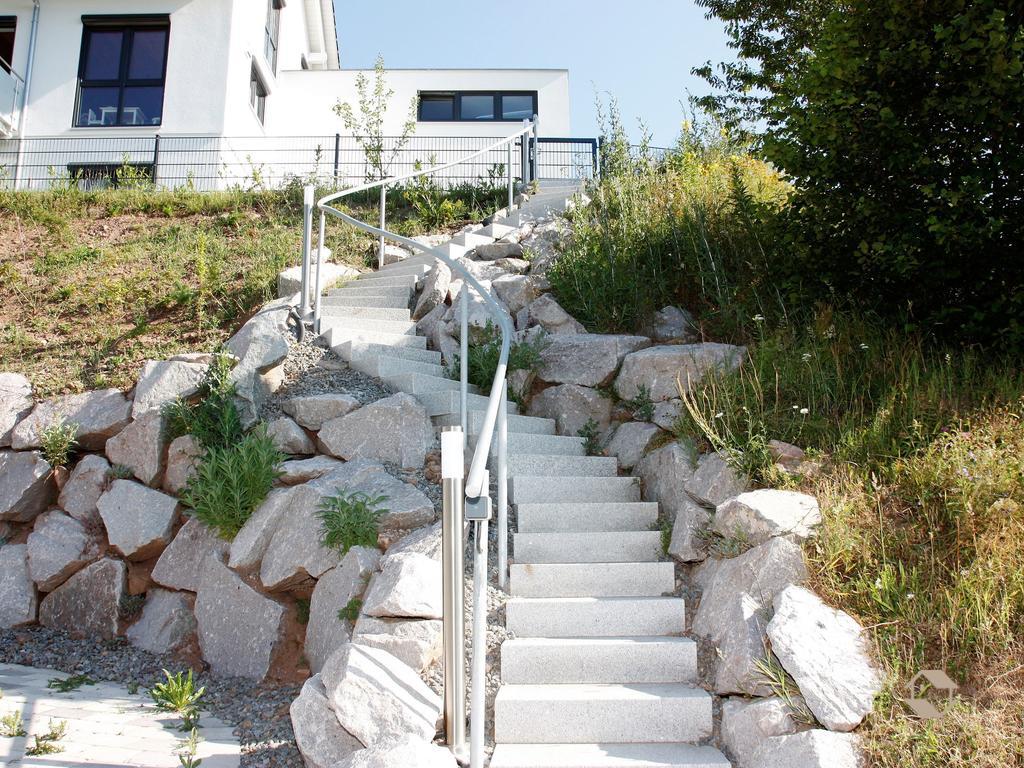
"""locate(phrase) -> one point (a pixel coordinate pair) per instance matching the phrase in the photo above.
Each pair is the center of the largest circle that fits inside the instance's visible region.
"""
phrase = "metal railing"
(466, 498)
(12, 90)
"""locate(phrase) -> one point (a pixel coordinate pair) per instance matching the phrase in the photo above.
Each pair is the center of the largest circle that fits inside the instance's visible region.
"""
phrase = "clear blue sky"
(641, 51)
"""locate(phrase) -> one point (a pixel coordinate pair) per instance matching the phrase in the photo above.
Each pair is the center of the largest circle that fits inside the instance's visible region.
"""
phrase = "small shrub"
(350, 612)
(782, 685)
(59, 441)
(121, 472)
(349, 520)
(591, 434)
(68, 684)
(11, 725)
(642, 405)
(180, 696)
(232, 481)
(484, 354)
(214, 420)
(187, 752)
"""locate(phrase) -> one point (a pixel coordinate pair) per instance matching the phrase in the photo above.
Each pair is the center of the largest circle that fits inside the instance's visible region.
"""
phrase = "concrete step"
(444, 406)
(390, 314)
(527, 444)
(527, 489)
(337, 337)
(349, 349)
(420, 383)
(643, 579)
(367, 300)
(453, 250)
(607, 756)
(382, 366)
(404, 268)
(539, 660)
(577, 518)
(496, 231)
(516, 424)
(377, 280)
(370, 324)
(595, 616)
(591, 547)
(556, 466)
(472, 239)
(400, 292)
(554, 714)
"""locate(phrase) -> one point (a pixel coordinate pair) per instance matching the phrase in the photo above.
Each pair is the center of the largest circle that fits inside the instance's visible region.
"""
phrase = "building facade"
(219, 92)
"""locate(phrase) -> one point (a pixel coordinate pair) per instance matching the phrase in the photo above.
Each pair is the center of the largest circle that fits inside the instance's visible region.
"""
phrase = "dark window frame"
(456, 97)
(127, 26)
(258, 94)
(272, 33)
(11, 23)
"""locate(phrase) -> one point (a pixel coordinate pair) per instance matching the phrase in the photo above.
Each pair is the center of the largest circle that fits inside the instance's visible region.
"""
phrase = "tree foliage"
(900, 124)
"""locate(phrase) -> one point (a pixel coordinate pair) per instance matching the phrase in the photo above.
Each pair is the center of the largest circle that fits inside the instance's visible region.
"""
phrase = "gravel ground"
(258, 712)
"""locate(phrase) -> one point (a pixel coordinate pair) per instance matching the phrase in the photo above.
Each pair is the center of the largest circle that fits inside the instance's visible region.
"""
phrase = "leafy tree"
(899, 122)
(367, 127)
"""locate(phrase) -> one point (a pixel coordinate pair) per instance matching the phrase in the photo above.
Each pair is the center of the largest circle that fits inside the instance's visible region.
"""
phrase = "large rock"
(479, 314)
(513, 265)
(18, 597)
(322, 742)
(549, 315)
(262, 343)
(181, 564)
(665, 473)
(406, 507)
(139, 520)
(517, 291)
(572, 406)
(715, 481)
(15, 403)
(417, 642)
(250, 543)
(761, 572)
(241, 631)
(672, 324)
(183, 457)
(630, 442)
(826, 653)
(409, 586)
(759, 515)
(58, 547)
(424, 541)
(810, 749)
(311, 411)
(395, 429)
(84, 487)
(140, 447)
(87, 604)
(405, 753)
(289, 438)
(747, 725)
(300, 471)
(667, 413)
(434, 292)
(590, 359)
(97, 415)
(26, 485)
(326, 631)
(660, 368)
(164, 381)
(377, 698)
(495, 251)
(741, 645)
(167, 624)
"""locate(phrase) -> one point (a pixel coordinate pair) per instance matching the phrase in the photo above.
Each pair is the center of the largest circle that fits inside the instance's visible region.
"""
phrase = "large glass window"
(477, 106)
(8, 25)
(122, 71)
(272, 33)
(258, 95)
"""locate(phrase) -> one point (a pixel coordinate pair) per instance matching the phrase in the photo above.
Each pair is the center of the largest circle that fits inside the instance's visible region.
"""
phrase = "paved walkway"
(107, 727)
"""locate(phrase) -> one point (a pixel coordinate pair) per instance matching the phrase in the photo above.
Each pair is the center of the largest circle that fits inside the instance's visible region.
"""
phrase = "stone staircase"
(598, 674)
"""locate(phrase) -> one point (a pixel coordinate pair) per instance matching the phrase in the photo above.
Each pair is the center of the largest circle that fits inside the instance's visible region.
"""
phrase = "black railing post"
(337, 157)
(594, 157)
(156, 157)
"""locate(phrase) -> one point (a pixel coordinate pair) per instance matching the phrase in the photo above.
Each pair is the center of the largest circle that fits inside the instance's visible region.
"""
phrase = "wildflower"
(910, 595)
(806, 356)
(864, 346)
(795, 407)
(687, 126)
(804, 411)
(719, 415)
(758, 318)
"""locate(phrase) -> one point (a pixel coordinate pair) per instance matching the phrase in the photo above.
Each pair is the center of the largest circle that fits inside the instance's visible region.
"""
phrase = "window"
(122, 70)
(272, 33)
(8, 24)
(257, 94)
(478, 106)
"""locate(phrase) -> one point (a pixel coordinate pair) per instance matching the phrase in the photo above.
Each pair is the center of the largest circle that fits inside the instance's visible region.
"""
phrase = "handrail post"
(383, 221)
(478, 709)
(464, 356)
(524, 152)
(307, 244)
(319, 270)
(337, 157)
(453, 469)
(535, 155)
(511, 180)
(503, 488)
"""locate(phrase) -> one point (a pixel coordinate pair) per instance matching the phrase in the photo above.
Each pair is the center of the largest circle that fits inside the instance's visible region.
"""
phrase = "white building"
(219, 92)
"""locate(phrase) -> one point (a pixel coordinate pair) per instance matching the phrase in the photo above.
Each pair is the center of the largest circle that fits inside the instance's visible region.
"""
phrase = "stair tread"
(607, 756)
(586, 579)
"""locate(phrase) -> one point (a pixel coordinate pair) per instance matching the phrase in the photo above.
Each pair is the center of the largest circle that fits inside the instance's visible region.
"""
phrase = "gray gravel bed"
(257, 711)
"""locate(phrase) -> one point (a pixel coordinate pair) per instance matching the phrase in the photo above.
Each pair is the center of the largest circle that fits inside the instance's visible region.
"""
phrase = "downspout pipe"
(29, 69)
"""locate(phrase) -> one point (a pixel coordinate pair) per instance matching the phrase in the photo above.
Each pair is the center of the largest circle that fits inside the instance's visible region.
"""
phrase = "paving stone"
(98, 416)
(139, 520)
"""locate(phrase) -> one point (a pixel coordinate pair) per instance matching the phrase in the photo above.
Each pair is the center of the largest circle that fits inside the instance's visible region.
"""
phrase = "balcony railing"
(12, 89)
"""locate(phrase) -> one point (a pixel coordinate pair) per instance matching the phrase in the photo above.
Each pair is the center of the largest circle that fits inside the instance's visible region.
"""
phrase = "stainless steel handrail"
(476, 486)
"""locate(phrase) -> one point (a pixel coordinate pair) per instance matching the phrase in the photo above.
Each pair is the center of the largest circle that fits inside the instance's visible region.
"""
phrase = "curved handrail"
(477, 479)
